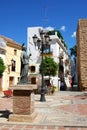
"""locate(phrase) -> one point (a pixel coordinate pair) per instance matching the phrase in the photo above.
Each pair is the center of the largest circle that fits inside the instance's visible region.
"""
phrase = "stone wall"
(81, 36)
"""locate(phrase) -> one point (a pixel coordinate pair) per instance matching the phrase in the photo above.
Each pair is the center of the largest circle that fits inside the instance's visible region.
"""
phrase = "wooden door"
(11, 79)
(33, 80)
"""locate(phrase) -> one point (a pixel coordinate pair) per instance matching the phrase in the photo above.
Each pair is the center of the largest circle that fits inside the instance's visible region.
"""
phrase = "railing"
(47, 54)
(66, 61)
(61, 55)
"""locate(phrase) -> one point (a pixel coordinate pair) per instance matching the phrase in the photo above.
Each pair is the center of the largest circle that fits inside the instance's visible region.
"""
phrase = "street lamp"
(42, 44)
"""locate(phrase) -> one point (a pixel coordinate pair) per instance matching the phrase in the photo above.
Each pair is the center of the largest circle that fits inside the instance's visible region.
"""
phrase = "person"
(72, 82)
(62, 87)
(24, 58)
(49, 88)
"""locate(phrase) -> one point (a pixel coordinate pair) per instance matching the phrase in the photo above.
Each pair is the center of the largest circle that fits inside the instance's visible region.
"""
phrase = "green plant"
(53, 89)
(50, 67)
(2, 66)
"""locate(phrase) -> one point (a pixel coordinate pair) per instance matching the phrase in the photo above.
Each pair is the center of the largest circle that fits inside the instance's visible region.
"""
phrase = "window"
(13, 66)
(32, 68)
(15, 52)
(18, 79)
(2, 52)
(46, 48)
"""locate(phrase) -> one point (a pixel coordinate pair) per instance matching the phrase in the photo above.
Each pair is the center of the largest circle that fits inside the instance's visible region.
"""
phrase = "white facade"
(56, 47)
(30, 45)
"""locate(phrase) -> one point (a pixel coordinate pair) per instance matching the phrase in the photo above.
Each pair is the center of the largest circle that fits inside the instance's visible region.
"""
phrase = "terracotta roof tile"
(8, 40)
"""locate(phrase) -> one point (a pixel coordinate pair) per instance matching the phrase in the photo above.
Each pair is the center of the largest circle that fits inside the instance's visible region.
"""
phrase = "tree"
(73, 53)
(2, 66)
(50, 67)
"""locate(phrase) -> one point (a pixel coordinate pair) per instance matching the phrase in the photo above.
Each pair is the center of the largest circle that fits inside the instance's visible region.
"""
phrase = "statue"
(24, 58)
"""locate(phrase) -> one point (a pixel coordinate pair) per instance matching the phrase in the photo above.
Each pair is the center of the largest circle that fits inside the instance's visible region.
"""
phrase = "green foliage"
(59, 35)
(53, 33)
(64, 43)
(73, 51)
(50, 67)
(2, 66)
(53, 89)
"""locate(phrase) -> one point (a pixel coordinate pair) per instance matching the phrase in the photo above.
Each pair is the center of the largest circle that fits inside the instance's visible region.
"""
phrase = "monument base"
(23, 118)
(23, 103)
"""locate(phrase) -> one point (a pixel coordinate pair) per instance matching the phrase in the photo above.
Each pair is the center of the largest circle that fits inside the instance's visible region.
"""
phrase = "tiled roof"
(8, 40)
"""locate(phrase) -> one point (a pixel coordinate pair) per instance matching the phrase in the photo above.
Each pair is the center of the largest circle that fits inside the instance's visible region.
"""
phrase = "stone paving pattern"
(62, 111)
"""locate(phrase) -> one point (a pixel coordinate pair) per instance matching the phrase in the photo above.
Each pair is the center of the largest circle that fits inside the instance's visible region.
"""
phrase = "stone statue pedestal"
(23, 103)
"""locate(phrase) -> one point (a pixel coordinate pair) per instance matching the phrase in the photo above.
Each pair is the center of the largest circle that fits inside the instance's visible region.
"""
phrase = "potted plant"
(53, 89)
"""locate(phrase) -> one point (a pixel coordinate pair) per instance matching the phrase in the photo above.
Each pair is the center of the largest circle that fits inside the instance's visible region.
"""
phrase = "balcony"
(47, 54)
(66, 61)
(60, 55)
(67, 72)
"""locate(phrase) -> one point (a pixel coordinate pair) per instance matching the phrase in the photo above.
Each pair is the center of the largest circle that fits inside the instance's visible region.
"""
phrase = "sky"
(63, 15)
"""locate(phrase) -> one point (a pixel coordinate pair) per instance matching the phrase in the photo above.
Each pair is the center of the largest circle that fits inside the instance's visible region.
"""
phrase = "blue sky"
(63, 15)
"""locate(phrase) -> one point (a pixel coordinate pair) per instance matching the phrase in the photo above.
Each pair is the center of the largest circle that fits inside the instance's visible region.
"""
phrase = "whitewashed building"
(59, 53)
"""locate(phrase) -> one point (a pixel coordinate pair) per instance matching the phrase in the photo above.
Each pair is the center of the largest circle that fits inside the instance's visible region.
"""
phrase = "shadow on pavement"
(82, 96)
(5, 113)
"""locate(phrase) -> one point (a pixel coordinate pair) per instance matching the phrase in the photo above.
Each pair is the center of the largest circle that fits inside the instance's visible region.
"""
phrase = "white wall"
(30, 45)
(55, 48)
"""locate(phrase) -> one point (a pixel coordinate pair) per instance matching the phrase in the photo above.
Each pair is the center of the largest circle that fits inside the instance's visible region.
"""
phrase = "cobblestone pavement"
(62, 111)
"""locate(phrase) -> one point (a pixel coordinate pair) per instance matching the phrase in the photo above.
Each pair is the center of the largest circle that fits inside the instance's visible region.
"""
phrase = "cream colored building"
(12, 62)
